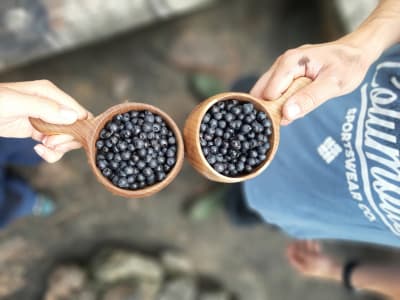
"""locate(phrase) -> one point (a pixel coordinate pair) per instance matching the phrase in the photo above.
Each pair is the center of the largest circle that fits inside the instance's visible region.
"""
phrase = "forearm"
(379, 278)
(379, 31)
(383, 279)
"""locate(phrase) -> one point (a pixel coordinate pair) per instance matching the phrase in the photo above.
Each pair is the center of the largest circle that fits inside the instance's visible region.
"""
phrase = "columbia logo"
(329, 150)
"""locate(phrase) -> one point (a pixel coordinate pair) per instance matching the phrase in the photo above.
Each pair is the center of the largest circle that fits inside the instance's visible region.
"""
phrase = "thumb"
(16, 104)
(309, 98)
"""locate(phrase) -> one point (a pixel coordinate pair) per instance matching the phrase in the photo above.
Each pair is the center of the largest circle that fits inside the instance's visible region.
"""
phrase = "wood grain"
(273, 109)
(87, 133)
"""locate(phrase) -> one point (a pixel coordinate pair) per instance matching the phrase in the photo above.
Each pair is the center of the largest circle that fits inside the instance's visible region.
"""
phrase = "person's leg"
(16, 197)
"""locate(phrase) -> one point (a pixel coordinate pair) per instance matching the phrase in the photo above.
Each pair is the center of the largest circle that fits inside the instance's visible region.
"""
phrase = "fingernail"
(292, 111)
(68, 115)
(39, 150)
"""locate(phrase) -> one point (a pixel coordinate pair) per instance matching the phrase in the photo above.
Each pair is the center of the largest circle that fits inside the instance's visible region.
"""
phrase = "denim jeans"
(16, 197)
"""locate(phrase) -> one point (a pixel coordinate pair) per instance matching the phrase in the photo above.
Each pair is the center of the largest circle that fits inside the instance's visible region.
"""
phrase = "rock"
(64, 282)
(85, 294)
(221, 295)
(149, 290)
(176, 263)
(182, 289)
(120, 265)
(122, 292)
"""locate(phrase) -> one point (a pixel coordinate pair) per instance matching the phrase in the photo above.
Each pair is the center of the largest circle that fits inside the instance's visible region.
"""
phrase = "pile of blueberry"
(234, 137)
(136, 149)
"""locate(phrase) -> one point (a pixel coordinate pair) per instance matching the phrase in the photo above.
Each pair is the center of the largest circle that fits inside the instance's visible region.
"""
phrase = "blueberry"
(142, 153)
(109, 156)
(126, 155)
(261, 116)
(235, 144)
(113, 127)
(222, 124)
(170, 153)
(122, 182)
(140, 177)
(147, 172)
(240, 166)
(219, 167)
(99, 144)
(153, 163)
(217, 116)
(219, 132)
(213, 123)
(102, 164)
(107, 172)
(266, 123)
(129, 170)
(229, 117)
(160, 176)
(171, 161)
(246, 128)
(214, 149)
(236, 110)
(114, 165)
(149, 118)
(122, 145)
(139, 144)
(171, 140)
(211, 159)
(147, 127)
(247, 108)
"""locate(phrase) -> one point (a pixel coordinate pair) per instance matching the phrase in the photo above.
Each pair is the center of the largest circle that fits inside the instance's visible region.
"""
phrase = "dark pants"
(16, 197)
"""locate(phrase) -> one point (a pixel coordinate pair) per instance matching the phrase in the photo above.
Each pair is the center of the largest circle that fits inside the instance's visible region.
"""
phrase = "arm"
(378, 278)
(308, 258)
(38, 99)
(336, 68)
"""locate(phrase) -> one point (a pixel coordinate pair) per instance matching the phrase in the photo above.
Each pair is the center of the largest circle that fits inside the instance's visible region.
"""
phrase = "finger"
(17, 104)
(55, 140)
(66, 147)
(315, 247)
(290, 66)
(258, 89)
(47, 154)
(310, 97)
(46, 89)
(37, 136)
(285, 122)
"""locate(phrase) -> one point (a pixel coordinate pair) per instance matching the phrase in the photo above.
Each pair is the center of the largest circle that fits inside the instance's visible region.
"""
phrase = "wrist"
(335, 273)
(378, 32)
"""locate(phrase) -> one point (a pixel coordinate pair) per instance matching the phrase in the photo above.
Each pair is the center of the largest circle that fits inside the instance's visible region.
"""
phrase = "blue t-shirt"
(336, 174)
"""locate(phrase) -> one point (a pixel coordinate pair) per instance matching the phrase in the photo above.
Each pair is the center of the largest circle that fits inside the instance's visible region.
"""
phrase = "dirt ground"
(228, 40)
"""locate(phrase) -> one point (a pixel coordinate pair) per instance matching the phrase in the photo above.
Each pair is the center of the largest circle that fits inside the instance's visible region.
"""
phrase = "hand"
(39, 99)
(307, 258)
(336, 68)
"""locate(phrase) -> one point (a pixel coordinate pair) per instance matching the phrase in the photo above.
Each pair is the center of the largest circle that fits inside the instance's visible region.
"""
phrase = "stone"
(149, 289)
(220, 295)
(85, 294)
(181, 288)
(120, 265)
(64, 281)
(122, 292)
(176, 263)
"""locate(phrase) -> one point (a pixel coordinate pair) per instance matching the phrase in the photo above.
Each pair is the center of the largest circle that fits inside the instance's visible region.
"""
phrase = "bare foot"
(308, 259)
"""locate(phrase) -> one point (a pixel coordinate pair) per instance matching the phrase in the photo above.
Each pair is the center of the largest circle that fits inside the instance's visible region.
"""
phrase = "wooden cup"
(87, 132)
(273, 109)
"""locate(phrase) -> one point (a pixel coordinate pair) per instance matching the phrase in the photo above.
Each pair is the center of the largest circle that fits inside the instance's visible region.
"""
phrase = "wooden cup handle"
(80, 130)
(295, 86)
